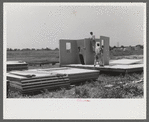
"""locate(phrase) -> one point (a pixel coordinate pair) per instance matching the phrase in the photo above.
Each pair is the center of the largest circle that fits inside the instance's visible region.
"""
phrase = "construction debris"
(139, 81)
(108, 86)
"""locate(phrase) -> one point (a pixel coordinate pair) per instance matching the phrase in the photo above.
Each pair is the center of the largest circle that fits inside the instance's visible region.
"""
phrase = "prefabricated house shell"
(69, 53)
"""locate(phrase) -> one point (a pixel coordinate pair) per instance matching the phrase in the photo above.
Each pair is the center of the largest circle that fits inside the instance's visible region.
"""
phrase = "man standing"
(98, 55)
(81, 56)
(93, 42)
(102, 60)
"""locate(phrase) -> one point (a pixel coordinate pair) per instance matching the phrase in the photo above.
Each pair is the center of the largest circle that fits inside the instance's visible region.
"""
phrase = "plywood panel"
(106, 49)
(113, 68)
(125, 61)
(89, 58)
(68, 57)
(75, 71)
(16, 65)
(45, 78)
(32, 84)
(81, 44)
(89, 54)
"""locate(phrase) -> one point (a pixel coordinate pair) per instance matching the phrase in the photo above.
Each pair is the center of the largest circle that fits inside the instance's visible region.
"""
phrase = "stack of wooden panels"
(77, 75)
(31, 80)
(16, 65)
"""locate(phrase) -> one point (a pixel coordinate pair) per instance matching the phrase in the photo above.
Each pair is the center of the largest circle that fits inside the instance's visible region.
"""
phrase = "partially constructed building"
(71, 70)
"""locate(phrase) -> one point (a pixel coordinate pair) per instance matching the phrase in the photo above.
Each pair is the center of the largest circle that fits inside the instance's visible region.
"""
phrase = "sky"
(42, 25)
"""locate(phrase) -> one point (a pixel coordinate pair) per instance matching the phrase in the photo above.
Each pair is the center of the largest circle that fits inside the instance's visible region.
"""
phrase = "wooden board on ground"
(78, 74)
(16, 65)
(125, 61)
(122, 65)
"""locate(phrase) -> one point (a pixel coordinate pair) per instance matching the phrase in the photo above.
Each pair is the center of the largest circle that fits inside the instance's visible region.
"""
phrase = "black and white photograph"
(87, 53)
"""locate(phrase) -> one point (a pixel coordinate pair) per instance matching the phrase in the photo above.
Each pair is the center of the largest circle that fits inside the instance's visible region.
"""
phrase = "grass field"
(43, 56)
(106, 86)
(126, 52)
(33, 57)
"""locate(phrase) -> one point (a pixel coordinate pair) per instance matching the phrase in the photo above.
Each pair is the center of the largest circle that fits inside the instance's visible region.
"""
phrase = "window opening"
(68, 47)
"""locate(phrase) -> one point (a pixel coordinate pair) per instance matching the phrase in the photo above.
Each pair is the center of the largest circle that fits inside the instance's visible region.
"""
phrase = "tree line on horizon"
(140, 46)
(57, 49)
(32, 49)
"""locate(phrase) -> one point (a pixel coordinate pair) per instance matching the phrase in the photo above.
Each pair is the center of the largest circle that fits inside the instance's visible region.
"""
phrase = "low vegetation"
(106, 86)
(126, 54)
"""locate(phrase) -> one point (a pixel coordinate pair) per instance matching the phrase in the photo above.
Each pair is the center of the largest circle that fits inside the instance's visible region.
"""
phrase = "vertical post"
(59, 52)
(84, 51)
(106, 49)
